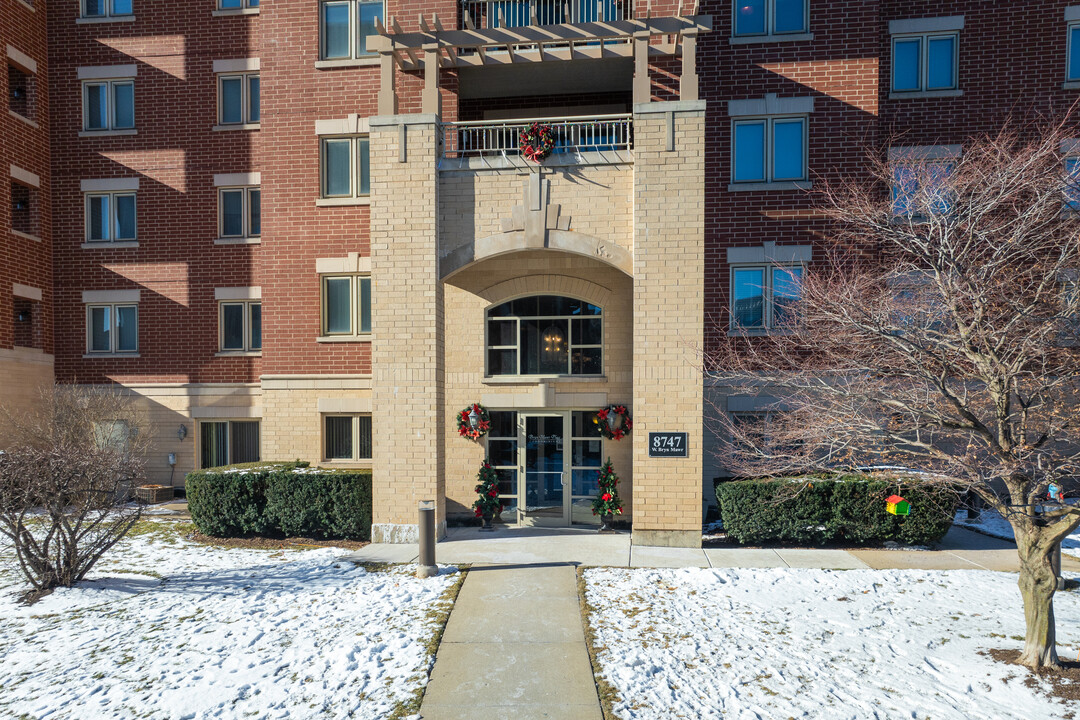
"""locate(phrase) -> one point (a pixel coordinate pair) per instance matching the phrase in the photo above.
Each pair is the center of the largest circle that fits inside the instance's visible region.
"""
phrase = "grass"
(604, 690)
(438, 617)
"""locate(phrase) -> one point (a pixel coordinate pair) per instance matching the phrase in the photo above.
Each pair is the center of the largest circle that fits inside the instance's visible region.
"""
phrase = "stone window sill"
(349, 63)
(237, 126)
(915, 95)
(99, 20)
(235, 11)
(107, 133)
(25, 119)
(1071, 85)
(107, 245)
(26, 5)
(342, 202)
(238, 241)
(756, 39)
(25, 236)
(98, 356)
(537, 379)
(364, 464)
(769, 186)
(239, 353)
(756, 332)
(368, 337)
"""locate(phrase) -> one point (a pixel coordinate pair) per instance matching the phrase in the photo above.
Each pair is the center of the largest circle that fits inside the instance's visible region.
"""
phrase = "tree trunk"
(1037, 587)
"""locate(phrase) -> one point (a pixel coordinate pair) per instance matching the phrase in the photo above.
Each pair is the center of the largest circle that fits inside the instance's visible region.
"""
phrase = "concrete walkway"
(514, 649)
(960, 549)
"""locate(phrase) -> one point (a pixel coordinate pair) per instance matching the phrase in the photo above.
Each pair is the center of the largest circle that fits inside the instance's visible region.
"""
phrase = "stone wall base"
(666, 538)
(402, 534)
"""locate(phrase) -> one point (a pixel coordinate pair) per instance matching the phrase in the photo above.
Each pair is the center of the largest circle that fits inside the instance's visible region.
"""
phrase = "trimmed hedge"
(284, 499)
(817, 511)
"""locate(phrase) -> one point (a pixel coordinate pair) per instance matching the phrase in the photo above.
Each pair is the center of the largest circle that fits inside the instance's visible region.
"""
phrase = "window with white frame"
(920, 188)
(1072, 183)
(1072, 45)
(239, 212)
(765, 296)
(346, 305)
(238, 99)
(770, 17)
(237, 4)
(345, 167)
(112, 328)
(108, 104)
(106, 8)
(110, 217)
(545, 335)
(344, 27)
(347, 437)
(769, 149)
(925, 62)
(241, 325)
(228, 442)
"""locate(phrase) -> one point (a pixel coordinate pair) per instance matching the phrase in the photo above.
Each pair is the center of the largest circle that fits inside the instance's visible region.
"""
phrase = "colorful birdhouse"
(897, 505)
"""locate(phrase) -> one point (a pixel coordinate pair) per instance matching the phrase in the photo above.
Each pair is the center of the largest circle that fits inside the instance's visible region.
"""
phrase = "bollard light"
(426, 566)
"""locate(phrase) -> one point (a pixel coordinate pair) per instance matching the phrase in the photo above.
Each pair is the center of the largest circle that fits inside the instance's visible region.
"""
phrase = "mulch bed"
(1064, 684)
(265, 543)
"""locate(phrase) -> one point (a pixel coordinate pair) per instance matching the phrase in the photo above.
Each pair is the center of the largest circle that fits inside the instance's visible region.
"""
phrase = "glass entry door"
(542, 468)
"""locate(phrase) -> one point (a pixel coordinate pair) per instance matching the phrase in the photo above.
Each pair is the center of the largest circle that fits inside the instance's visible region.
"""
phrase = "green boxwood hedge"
(283, 499)
(817, 511)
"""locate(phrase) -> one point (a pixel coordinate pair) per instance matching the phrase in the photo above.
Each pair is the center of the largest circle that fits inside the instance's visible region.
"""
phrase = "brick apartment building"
(408, 261)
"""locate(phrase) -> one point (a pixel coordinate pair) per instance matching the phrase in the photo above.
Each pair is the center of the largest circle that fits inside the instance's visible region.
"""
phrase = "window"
(502, 453)
(921, 188)
(1072, 183)
(28, 323)
(346, 302)
(110, 217)
(237, 4)
(109, 105)
(771, 149)
(238, 99)
(106, 8)
(22, 94)
(241, 326)
(112, 328)
(586, 457)
(345, 26)
(347, 437)
(228, 442)
(770, 17)
(239, 212)
(924, 62)
(544, 335)
(345, 167)
(765, 296)
(1072, 70)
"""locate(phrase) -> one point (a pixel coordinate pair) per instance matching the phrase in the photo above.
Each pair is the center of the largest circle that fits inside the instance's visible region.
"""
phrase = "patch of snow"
(779, 643)
(166, 628)
(990, 522)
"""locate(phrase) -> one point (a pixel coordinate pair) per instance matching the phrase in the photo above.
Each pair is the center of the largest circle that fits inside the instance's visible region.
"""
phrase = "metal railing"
(501, 138)
(489, 14)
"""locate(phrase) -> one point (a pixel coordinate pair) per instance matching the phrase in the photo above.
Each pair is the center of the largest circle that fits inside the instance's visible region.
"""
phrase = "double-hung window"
(920, 185)
(1072, 183)
(239, 212)
(241, 326)
(765, 296)
(346, 306)
(770, 17)
(346, 437)
(769, 149)
(108, 105)
(228, 442)
(345, 26)
(345, 167)
(1072, 43)
(237, 4)
(106, 8)
(924, 62)
(112, 328)
(238, 99)
(110, 217)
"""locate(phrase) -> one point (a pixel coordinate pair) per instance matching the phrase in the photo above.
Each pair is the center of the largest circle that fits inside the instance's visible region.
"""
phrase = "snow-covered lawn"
(991, 523)
(168, 628)
(782, 643)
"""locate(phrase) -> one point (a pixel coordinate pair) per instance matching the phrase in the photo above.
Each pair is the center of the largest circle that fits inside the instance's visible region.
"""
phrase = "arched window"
(544, 335)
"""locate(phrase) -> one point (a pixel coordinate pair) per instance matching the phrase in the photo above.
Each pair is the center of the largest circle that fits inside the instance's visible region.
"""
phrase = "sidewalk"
(514, 649)
(961, 549)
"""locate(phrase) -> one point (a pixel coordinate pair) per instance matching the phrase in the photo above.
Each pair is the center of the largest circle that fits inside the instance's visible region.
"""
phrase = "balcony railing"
(608, 135)
(489, 14)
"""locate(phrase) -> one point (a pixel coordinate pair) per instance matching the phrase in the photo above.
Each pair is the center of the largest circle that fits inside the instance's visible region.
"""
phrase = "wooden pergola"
(435, 48)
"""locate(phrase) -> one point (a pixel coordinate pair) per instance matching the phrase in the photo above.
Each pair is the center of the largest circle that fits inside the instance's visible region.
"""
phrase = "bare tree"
(66, 476)
(938, 333)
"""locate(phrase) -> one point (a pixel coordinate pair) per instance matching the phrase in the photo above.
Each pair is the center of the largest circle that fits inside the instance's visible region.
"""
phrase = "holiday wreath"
(465, 426)
(614, 422)
(536, 142)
